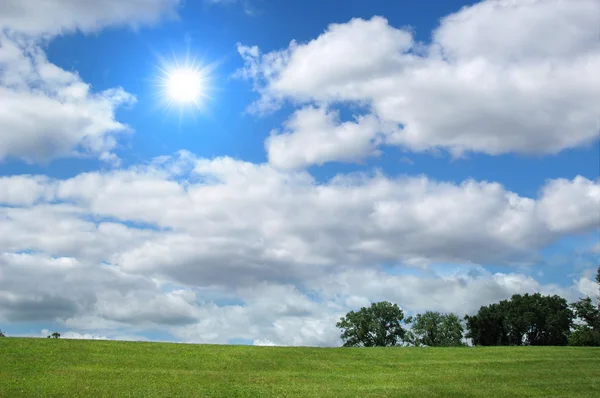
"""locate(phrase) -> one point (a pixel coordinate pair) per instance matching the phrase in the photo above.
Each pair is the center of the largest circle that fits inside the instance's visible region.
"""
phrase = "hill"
(78, 368)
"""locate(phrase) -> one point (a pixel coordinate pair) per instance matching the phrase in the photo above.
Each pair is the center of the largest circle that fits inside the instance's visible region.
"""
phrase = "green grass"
(76, 368)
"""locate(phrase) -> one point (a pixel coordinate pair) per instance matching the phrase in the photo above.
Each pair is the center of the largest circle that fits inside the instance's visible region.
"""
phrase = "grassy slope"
(76, 368)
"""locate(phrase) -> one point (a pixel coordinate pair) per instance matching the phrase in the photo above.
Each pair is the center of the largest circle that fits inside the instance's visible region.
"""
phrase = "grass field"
(77, 368)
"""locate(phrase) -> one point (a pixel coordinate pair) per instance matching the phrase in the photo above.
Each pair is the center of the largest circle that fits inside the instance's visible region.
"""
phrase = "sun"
(185, 85)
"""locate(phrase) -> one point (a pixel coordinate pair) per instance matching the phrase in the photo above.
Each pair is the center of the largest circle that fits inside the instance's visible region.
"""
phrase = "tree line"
(528, 319)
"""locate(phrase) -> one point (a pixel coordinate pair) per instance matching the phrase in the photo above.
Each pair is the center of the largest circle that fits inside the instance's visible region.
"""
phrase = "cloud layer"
(174, 243)
(194, 206)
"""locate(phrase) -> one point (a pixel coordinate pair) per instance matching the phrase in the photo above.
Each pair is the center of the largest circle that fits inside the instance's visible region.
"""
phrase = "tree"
(588, 332)
(539, 320)
(54, 335)
(376, 326)
(436, 330)
(487, 327)
(523, 320)
(584, 336)
(587, 312)
(2, 333)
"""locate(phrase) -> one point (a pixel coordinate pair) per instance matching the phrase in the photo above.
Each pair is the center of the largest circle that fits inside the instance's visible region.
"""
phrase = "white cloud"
(87, 296)
(64, 230)
(24, 190)
(587, 287)
(47, 112)
(172, 308)
(278, 314)
(200, 220)
(53, 17)
(531, 30)
(264, 343)
(562, 213)
(173, 245)
(458, 292)
(348, 141)
(80, 336)
(499, 77)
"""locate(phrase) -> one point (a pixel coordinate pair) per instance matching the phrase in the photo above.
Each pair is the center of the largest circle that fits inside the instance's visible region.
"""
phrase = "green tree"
(583, 335)
(54, 335)
(376, 326)
(587, 312)
(487, 327)
(434, 329)
(2, 333)
(529, 319)
(588, 332)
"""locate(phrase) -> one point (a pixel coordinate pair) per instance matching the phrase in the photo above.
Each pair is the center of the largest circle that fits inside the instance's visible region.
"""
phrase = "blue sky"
(393, 149)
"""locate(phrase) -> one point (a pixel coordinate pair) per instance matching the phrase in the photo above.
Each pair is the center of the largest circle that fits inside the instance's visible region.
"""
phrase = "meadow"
(78, 368)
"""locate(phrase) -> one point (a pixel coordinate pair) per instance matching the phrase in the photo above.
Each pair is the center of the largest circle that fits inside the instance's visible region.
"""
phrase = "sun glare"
(185, 85)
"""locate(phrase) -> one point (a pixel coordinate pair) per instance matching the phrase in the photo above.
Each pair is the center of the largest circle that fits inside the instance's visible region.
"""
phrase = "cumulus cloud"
(24, 190)
(498, 77)
(58, 16)
(47, 112)
(557, 206)
(36, 287)
(348, 141)
(198, 223)
(173, 244)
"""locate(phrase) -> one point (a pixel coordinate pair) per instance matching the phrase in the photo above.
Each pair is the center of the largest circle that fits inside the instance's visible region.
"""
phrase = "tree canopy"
(376, 326)
(434, 329)
(523, 320)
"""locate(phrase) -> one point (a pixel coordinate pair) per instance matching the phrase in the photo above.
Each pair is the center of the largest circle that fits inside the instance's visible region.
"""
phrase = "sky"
(440, 155)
